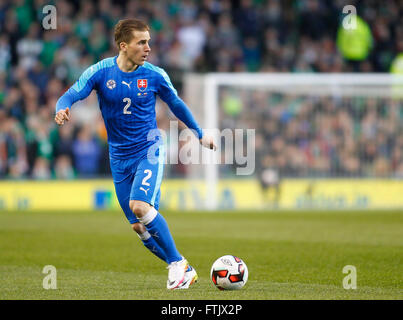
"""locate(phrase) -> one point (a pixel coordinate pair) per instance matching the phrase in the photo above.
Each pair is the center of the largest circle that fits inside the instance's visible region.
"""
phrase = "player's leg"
(157, 226)
(145, 189)
(149, 241)
(143, 197)
(191, 275)
(123, 181)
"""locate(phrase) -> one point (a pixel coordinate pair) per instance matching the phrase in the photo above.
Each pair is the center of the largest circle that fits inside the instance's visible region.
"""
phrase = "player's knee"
(139, 227)
(139, 208)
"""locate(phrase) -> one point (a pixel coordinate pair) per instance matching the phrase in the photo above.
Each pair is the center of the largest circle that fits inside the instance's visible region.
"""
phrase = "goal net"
(299, 141)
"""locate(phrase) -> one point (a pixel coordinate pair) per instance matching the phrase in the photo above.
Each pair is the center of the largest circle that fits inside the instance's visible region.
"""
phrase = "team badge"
(142, 84)
(111, 84)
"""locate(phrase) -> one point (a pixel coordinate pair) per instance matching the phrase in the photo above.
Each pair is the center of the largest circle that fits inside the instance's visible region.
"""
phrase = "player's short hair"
(124, 30)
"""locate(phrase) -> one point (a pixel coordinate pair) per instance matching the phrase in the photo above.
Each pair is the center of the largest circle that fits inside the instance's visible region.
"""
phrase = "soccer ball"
(229, 273)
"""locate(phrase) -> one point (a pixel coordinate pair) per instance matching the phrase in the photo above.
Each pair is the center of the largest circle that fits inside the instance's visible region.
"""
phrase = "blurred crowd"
(311, 136)
(38, 65)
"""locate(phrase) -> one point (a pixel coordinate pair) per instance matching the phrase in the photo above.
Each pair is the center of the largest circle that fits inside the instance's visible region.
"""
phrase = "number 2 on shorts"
(148, 176)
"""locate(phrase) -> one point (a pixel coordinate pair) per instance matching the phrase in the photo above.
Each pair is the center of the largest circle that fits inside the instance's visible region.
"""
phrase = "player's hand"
(208, 142)
(62, 116)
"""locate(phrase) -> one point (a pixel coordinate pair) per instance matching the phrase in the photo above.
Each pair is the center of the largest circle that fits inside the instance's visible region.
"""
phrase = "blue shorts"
(138, 179)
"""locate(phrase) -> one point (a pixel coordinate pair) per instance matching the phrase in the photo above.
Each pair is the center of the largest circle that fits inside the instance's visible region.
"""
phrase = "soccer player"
(127, 86)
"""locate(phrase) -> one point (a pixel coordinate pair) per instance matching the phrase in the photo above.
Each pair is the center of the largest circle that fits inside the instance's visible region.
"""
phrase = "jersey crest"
(142, 84)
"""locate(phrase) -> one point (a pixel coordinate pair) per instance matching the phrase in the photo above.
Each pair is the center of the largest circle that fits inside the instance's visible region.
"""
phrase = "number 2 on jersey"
(128, 102)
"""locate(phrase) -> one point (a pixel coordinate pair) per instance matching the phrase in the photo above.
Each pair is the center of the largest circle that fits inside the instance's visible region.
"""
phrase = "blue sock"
(158, 228)
(153, 246)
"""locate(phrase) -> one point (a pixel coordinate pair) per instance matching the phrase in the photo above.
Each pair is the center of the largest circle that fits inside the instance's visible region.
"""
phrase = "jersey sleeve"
(169, 95)
(80, 90)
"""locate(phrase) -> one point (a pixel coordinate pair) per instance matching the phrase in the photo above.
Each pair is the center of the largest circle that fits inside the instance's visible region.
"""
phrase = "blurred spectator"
(247, 19)
(98, 43)
(41, 170)
(251, 53)
(39, 77)
(30, 47)
(3, 145)
(86, 152)
(64, 168)
(397, 64)
(23, 13)
(356, 43)
(5, 56)
(313, 19)
(15, 148)
(64, 144)
(192, 38)
(268, 174)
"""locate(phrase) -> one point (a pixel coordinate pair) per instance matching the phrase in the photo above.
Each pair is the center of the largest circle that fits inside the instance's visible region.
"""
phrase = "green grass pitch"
(290, 255)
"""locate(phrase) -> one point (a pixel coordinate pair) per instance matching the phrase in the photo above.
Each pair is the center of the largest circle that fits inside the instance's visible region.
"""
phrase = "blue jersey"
(127, 102)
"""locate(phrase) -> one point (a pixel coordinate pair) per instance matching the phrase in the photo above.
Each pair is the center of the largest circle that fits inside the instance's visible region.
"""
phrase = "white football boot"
(190, 278)
(176, 273)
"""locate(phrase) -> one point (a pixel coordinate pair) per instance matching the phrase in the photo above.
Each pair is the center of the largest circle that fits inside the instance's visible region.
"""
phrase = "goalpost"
(347, 91)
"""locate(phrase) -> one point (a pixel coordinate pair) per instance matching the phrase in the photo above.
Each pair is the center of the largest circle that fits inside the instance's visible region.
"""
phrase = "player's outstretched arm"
(181, 111)
(79, 91)
(62, 116)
